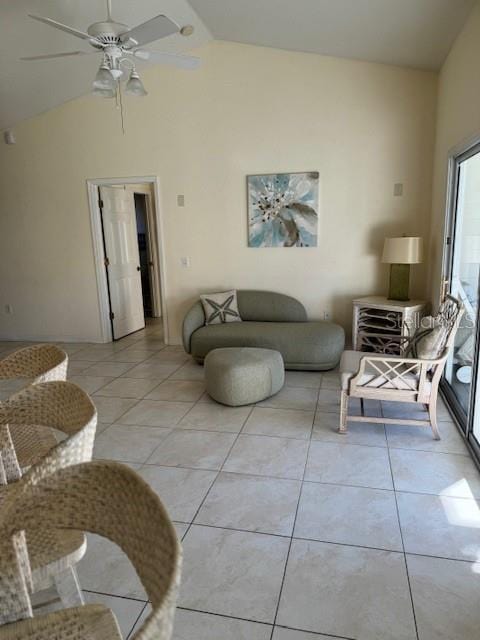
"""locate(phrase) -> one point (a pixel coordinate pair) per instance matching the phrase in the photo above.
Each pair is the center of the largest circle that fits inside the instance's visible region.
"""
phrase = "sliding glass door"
(461, 379)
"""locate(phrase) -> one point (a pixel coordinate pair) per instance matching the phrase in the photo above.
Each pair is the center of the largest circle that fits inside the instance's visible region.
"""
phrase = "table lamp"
(400, 253)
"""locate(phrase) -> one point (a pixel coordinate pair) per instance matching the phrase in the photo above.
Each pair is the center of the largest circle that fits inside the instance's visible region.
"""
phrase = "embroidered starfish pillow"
(220, 307)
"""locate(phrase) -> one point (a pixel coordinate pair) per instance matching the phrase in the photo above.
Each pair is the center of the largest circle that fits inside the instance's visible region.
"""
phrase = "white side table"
(379, 315)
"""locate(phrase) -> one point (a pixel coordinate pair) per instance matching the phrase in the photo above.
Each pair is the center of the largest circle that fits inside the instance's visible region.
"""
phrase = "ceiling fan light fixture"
(104, 80)
(103, 93)
(135, 85)
(116, 73)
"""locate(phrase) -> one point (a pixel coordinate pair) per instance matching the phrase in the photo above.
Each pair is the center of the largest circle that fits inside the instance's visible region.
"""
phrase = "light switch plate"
(181, 200)
(398, 189)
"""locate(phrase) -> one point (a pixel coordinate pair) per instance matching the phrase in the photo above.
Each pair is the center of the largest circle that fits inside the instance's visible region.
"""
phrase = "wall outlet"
(180, 200)
(185, 261)
(8, 309)
(327, 315)
(398, 189)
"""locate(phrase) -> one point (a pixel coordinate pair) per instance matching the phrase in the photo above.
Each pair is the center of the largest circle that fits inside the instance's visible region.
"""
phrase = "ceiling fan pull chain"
(121, 108)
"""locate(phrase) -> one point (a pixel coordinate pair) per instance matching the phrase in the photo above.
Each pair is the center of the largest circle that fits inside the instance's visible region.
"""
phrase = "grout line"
(232, 473)
(177, 466)
(402, 539)
(129, 634)
(445, 453)
(223, 615)
(238, 530)
(115, 595)
(265, 624)
(219, 471)
(334, 484)
(330, 542)
(313, 633)
(294, 522)
(424, 555)
(126, 410)
(86, 371)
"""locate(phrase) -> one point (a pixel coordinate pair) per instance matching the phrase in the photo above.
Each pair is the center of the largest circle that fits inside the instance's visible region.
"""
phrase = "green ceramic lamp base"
(399, 282)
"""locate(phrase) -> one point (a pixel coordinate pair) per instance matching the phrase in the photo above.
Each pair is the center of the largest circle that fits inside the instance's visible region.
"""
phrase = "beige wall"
(458, 120)
(248, 110)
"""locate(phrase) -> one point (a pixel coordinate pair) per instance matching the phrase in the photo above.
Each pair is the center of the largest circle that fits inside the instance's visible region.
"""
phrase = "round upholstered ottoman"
(237, 376)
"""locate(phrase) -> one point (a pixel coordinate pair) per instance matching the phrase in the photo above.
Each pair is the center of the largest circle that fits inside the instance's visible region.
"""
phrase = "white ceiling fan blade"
(62, 27)
(154, 29)
(183, 62)
(59, 55)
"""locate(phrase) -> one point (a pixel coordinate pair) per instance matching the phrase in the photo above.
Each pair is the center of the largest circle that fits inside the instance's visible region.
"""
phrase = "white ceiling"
(413, 33)
(29, 88)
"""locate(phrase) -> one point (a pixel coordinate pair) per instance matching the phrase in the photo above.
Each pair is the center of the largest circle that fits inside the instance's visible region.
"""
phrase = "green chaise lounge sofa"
(269, 321)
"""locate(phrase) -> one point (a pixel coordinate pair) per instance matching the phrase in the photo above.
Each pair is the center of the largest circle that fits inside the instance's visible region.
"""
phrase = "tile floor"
(290, 531)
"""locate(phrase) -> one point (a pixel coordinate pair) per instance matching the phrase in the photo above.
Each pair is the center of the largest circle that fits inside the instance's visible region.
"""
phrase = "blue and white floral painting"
(283, 210)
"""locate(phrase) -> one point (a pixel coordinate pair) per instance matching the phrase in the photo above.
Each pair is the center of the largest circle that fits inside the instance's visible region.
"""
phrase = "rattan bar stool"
(106, 498)
(38, 363)
(31, 416)
(41, 408)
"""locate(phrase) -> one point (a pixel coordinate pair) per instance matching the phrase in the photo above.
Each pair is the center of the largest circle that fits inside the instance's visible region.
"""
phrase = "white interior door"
(123, 261)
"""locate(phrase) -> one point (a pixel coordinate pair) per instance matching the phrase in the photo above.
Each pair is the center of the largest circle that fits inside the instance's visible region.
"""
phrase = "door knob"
(139, 268)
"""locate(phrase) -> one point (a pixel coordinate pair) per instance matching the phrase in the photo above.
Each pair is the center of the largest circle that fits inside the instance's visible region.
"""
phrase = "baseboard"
(39, 339)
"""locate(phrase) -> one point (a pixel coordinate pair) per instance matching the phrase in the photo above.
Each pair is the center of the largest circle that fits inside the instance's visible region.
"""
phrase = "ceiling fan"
(120, 46)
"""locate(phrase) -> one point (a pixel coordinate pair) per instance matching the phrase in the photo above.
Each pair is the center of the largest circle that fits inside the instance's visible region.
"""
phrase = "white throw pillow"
(430, 339)
(220, 307)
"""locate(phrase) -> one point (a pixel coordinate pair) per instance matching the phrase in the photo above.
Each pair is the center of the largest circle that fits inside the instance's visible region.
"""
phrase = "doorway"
(461, 383)
(127, 238)
(140, 202)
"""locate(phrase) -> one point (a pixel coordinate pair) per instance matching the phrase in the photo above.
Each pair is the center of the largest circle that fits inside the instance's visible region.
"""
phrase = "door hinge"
(100, 203)
(449, 240)
(112, 315)
(107, 262)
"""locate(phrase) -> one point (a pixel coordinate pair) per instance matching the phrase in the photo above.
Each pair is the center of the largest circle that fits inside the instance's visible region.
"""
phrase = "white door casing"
(123, 261)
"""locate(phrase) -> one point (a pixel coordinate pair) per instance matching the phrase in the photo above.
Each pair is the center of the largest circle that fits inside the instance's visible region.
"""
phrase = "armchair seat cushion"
(350, 363)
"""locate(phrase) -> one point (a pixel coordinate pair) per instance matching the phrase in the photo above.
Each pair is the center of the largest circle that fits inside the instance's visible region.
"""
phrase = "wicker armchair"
(9, 468)
(31, 416)
(397, 378)
(111, 500)
(40, 363)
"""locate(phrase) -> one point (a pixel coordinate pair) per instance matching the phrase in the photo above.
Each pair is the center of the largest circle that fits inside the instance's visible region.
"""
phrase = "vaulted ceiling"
(412, 33)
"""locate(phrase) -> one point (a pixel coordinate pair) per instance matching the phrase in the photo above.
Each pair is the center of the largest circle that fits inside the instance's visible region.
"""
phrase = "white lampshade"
(135, 86)
(403, 250)
(104, 79)
(103, 93)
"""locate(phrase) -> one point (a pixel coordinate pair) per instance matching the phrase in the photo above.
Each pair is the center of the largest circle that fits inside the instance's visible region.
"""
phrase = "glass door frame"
(465, 422)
